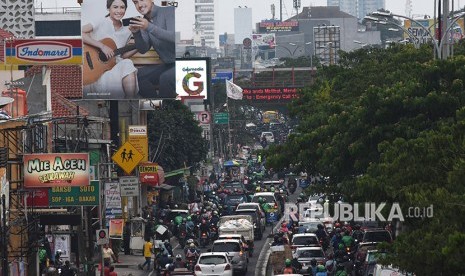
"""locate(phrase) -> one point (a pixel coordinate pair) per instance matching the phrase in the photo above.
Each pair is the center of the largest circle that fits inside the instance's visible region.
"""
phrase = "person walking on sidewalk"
(148, 250)
(108, 255)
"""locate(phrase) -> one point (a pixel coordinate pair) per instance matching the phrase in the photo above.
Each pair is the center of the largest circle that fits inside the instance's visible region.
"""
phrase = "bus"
(270, 117)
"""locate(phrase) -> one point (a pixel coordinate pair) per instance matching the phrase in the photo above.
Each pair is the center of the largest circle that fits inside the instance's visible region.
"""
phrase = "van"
(269, 136)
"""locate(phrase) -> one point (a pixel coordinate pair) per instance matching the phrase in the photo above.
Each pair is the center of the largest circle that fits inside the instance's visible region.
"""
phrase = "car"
(274, 212)
(311, 224)
(255, 206)
(213, 263)
(235, 251)
(305, 254)
(237, 237)
(376, 236)
(304, 240)
(257, 222)
(269, 136)
(370, 261)
(235, 199)
(234, 186)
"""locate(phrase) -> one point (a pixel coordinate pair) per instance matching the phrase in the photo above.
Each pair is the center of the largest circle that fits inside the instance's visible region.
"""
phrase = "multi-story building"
(357, 8)
(205, 20)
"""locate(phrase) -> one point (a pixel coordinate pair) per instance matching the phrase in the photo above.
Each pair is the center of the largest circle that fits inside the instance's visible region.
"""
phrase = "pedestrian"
(127, 238)
(148, 250)
(108, 254)
(112, 271)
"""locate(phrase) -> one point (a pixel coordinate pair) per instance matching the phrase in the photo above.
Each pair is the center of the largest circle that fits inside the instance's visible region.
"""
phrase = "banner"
(278, 26)
(56, 170)
(269, 94)
(116, 229)
(233, 91)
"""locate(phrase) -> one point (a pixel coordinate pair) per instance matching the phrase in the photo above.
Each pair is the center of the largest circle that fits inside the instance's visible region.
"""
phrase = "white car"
(269, 136)
(213, 263)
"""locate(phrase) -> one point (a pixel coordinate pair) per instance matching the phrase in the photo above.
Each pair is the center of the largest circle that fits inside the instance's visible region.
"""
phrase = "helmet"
(321, 268)
(189, 218)
(301, 195)
(341, 246)
(257, 189)
(320, 226)
(272, 189)
(283, 224)
(184, 220)
(175, 206)
(287, 262)
(178, 256)
(215, 213)
(192, 245)
(313, 262)
(260, 200)
(281, 191)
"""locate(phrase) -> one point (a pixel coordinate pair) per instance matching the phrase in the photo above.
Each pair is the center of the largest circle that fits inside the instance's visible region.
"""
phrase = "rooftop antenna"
(273, 11)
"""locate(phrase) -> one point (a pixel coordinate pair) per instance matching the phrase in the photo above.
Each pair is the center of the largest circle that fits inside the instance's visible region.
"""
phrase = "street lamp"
(416, 41)
(298, 46)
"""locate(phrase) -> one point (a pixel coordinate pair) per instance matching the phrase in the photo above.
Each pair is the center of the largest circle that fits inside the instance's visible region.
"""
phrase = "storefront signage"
(74, 196)
(56, 170)
(43, 51)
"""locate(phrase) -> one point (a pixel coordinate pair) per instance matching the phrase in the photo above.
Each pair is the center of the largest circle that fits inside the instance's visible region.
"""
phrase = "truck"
(238, 224)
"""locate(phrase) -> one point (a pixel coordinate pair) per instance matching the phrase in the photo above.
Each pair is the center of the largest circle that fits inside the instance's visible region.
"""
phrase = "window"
(305, 240)
(226, 247)
(310, 254)
(212, 260)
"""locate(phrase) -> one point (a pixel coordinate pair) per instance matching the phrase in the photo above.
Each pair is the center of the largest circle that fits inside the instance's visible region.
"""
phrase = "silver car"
(305, 255)
(235, 251)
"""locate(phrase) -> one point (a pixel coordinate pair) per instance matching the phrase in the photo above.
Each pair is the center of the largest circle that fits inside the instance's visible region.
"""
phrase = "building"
(205, 20)
(242, 24)
(357, 8)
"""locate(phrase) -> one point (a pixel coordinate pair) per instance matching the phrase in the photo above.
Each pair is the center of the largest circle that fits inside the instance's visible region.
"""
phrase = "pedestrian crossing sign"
(127, 157)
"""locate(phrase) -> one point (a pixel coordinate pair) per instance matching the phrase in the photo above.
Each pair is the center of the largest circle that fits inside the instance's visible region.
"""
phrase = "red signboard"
(269, 94)
(148, 173)
(37, 198)
(277, 26)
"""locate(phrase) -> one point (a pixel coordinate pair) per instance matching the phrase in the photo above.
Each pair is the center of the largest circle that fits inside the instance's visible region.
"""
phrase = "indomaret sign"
(56, 169)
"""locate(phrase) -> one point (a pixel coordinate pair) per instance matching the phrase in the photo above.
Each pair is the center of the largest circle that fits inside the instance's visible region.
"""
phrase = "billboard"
(43, 51)
(278, 26)
(193, 77)
(56, 170)
(456, 32)
(119, 64)
(270, 94)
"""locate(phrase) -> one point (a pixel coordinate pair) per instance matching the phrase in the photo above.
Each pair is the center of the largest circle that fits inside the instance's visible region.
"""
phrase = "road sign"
(129, 185)
(127, 157)
(221, 77)
(148, 173)
(206, 131)
(204, 117)
(102, 236)
(137, 136)
(74, 196)
(112, 200)
(220, 118)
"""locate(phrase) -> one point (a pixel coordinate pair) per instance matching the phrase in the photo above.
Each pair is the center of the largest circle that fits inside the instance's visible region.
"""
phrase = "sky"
(261, 9)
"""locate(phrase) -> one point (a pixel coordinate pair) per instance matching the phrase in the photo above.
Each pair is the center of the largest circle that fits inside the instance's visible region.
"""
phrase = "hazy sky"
(261, 9)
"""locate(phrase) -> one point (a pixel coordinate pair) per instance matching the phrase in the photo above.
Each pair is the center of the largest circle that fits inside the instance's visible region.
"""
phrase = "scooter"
(203, 239)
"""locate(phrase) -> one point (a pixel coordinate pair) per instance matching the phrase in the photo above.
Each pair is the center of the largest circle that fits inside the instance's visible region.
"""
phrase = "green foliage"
(388, 125)
(175, 138)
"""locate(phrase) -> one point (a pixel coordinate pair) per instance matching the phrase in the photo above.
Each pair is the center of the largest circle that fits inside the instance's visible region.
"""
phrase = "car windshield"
(377, 236)
(314, 253)
(375, 256)
(212, 260)
(226, 247)
(267, 198)
(250, 213)
(305, 240)
(247, 206)
(236, 199)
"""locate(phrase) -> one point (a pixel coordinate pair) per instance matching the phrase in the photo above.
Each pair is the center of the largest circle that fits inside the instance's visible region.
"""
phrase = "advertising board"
(141, 67)
(43, 51)
(270, 94)
(193, 77)
(278, 26)
(56, 170)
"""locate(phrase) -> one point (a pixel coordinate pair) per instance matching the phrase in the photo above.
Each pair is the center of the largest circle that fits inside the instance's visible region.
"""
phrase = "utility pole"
(4, 239)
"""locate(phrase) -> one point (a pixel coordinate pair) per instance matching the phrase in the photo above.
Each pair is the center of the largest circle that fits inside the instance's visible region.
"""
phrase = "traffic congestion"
(238, 218)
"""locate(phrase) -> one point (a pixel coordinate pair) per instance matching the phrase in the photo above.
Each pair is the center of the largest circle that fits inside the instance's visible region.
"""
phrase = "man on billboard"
(156, 28)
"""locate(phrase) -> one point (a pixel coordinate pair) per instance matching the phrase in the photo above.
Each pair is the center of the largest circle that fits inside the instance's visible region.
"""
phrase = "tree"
(175, 138)
(388, 125)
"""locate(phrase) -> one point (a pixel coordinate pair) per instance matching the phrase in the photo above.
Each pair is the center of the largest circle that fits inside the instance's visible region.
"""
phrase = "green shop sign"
(74, 196)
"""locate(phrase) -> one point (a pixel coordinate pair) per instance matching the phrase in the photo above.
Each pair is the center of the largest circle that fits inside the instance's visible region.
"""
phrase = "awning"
(176, 172)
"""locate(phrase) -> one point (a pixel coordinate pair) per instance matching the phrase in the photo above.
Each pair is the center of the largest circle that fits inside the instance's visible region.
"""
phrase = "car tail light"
(197, 268)
(276, 206)
(227, 267)
(293, 246)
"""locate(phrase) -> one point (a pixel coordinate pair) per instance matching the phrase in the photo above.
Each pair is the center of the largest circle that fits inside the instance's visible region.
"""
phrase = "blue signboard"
(220, 77)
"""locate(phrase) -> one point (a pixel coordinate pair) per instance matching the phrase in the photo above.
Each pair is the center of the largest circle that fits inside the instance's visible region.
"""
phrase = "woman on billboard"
(108, 73)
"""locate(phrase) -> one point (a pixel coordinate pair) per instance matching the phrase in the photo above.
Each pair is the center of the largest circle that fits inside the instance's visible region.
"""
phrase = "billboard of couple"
(129, 50)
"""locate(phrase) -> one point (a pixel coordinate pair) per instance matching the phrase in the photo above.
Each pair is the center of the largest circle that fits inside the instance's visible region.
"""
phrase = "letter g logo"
(197, 84)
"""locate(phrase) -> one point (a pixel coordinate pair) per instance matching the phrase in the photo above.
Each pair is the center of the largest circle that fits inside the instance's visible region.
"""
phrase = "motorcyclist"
(190, 226)
(312, 269)
(321, 271)
(66, 270)
(296, 265)
(204, 228)
(168, 247)
(215, 218)
(288, 269)
(347, 239)
(188, 245)
(336, 239)
(192, 253)
(357, 234)
(321, 234)
(302, 197)
(179, 263)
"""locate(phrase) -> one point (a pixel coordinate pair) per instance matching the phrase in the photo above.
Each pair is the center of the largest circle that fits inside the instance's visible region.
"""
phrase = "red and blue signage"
(43, 51)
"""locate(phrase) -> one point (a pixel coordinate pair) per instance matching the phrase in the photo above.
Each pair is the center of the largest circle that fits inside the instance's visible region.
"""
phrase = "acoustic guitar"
(95, 61)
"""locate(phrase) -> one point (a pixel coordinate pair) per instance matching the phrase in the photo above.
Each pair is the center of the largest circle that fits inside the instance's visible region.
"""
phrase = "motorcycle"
(190, 263)
(203, 240)
(213, 232)
(292, 187)
(182, 238)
